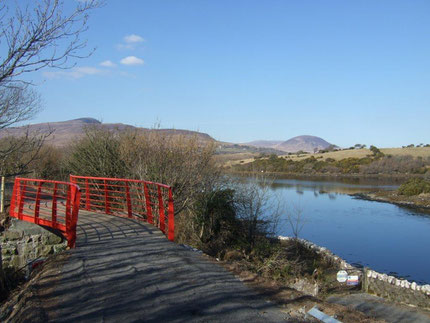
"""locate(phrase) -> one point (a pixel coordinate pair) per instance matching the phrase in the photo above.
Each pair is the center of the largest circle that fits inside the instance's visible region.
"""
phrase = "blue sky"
(347, 71)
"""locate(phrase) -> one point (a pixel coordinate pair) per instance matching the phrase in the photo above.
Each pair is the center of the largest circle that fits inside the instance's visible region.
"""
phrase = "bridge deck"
(125, 270)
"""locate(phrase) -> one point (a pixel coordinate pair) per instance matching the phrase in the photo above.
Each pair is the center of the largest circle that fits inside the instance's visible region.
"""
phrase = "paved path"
(381, 309)
(123, 270)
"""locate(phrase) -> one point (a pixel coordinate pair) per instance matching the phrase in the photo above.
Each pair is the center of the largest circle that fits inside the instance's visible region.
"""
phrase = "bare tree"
(34, 35)
(41, 34)
(18, 103)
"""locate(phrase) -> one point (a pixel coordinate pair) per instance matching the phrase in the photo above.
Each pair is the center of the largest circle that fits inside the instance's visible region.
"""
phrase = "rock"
(59, 248)
(50, 239)
(13, 235)
(305, 286)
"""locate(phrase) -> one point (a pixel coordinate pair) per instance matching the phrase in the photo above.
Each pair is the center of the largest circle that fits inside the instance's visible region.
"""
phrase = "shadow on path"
(126, 270)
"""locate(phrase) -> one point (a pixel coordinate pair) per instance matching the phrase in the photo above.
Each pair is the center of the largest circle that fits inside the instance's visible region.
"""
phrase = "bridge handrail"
(55, 203)
(129, 198)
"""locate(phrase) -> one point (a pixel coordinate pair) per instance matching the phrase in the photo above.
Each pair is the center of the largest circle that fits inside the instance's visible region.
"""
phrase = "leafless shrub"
(98, 154)
(182, 162)
(395, 165)
(296, 219)
(257, 209)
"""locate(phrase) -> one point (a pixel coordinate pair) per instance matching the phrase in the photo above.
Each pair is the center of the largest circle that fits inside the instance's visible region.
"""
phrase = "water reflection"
(331, 187)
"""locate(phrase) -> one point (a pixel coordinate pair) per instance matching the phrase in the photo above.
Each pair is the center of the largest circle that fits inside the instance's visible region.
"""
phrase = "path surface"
(379, 308)
(123, 270)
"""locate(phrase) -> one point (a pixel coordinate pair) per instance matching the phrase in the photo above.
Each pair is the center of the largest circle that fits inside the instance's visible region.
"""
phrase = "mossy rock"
(51, 239)
(13, 235)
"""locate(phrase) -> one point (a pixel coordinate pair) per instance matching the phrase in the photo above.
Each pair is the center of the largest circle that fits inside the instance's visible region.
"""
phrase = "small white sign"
(352, 280)
(342, 276)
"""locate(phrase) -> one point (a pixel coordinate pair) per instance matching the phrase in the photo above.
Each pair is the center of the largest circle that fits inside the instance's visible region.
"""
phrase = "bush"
(185, 163)
(395, 165)
(98, 154)
(49, 164)
(414, 186)
(214, 220)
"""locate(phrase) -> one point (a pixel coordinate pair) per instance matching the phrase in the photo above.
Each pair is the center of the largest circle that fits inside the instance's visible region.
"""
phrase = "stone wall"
(382, 285)
(23, 242)
(397, 290)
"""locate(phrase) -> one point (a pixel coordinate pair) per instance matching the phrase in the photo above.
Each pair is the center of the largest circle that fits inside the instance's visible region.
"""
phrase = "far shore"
(420, 202)
(394, 177)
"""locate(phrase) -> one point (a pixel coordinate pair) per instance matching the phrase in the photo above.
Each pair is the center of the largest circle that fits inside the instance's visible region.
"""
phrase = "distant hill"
(66, 132)
(304, 143)
(264, 143)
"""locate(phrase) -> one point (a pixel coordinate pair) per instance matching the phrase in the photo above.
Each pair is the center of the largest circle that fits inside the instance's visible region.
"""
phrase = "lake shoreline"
(419, 202)
(394, 177)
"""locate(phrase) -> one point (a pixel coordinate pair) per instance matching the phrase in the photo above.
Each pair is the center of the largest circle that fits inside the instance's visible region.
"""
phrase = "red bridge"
(123, 269)
(56, 204)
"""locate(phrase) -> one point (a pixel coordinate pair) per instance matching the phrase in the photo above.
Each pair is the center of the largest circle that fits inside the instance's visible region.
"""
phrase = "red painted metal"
(49, 203)
(161, 209)
(87, 200)
(171, 222)
(148, 203)
(56, 204)
(129, 198)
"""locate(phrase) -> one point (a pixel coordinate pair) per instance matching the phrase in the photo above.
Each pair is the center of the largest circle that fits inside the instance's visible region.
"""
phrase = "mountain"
(67, 132)
(303, 143)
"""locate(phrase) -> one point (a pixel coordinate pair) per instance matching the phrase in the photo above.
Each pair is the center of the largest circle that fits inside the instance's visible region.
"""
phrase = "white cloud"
(133, 38)
(131, 60)
(74, 73)
(107, 63)
(130, 42)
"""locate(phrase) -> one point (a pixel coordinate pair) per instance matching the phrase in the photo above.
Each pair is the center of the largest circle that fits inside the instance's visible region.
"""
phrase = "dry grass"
(415, 152)
(234, 159)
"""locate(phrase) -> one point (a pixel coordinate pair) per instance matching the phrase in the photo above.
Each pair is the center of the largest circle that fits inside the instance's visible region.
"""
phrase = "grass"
(229, 160)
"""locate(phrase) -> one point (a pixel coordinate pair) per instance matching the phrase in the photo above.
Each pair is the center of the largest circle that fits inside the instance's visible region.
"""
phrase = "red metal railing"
(143, 200)
(50, 203)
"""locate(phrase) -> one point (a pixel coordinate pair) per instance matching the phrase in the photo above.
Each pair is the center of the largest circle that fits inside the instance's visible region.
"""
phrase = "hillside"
(304, 143)
(66, 132)
(415, 152)
(264, 143)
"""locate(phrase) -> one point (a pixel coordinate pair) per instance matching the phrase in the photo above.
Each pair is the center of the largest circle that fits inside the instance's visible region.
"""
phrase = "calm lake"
(382, 236)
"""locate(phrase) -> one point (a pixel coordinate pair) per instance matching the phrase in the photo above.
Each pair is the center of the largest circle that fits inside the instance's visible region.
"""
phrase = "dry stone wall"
(24, 242)
(394, 289)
